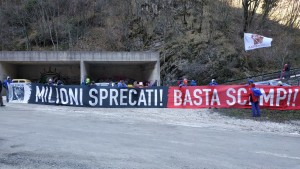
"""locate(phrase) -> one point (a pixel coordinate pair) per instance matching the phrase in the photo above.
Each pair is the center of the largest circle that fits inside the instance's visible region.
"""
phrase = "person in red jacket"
(254, 102)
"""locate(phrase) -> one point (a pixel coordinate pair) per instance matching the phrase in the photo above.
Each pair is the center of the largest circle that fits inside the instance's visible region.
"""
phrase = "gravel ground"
(181, 117)
(50, 137)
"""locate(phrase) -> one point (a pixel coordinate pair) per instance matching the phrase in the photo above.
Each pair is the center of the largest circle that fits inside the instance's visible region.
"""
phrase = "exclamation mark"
(46, 93)
(57, 96)
(160, 97)
(295, 96)
(289, 97)
(155, 98)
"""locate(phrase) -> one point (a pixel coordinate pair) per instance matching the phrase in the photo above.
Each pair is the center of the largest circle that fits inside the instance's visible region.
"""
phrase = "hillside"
(197, 39)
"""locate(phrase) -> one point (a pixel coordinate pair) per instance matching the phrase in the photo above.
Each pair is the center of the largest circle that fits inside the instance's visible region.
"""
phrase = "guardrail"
(293, 77)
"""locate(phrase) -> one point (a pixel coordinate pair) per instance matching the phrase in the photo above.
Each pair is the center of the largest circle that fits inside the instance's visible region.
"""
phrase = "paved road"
(31, 137)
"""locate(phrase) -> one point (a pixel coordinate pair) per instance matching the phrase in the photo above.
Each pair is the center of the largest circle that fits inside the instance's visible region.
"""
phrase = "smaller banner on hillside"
(254, 41)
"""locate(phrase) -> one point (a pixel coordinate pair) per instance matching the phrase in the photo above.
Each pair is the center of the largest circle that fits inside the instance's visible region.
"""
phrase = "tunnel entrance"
(40, 72)
(116, 71)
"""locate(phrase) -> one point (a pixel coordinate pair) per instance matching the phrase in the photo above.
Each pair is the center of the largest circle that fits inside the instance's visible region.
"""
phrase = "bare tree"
(250, 8)
(267, 6)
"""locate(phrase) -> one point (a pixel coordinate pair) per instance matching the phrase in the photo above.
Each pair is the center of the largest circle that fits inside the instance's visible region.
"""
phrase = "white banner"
(19, 92)
(254, 41)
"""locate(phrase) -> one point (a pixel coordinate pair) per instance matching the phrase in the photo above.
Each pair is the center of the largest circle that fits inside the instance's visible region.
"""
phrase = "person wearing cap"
(279, 83)
(254, 102)
(213, 83)
(250, 81)
(1, 100)
(5, 85)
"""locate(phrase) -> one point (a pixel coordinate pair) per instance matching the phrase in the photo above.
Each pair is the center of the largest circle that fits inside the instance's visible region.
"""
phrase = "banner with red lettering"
(233, 96)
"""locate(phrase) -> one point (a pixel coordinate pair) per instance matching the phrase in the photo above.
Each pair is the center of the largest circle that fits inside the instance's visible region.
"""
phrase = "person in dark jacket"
(254, 102)
(50, 82)
(59, 83)
(5, 85)
(154, 84)
(287, 68)
(86, 82)
(1, 100)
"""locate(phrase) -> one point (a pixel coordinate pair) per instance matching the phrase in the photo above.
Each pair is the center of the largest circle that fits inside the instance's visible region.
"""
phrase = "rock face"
(197, 39)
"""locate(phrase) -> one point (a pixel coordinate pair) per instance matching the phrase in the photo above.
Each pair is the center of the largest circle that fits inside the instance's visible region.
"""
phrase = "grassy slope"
(266, 115)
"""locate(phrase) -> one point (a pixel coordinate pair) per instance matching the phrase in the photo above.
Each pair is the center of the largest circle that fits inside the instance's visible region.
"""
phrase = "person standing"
(86, 82)
(122, 84)
(213, 83)
(287, 68)
(1, 100)
(254, 99)
(193, 83)
(250, 81)
(50, 82)
(135, 84)
(5, 85)
(59, 83)
(183, 83)
(154, 84)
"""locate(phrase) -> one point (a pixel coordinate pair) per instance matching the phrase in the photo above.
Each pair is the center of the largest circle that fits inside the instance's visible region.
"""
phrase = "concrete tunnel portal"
(74, 67)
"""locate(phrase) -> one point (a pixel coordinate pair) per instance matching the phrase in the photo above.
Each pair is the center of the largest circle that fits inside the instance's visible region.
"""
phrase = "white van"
(21, 81)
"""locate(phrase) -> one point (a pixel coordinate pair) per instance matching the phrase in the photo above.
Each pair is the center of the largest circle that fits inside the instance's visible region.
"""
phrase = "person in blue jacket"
(5, 85)
(213, 83)
(122, 84)
(250, 81)
(193, 83)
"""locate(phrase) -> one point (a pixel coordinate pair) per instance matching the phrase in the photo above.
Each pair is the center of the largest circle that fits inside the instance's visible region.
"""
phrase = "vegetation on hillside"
(198, 39)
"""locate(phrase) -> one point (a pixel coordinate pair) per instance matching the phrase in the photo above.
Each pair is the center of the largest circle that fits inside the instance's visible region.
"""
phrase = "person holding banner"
(122, 84)
(50, 82)
(183, 83)
(250, 81)
(193, 83)
(86, 82)
(5, 85)
(1, 100)
(254, 99)
(213, 83)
